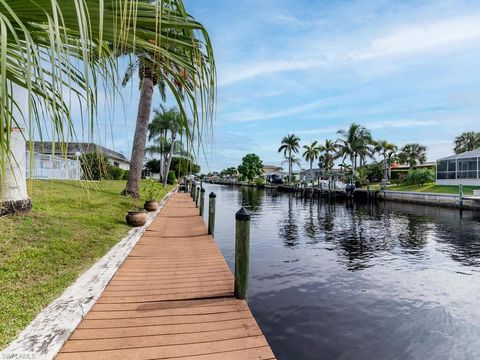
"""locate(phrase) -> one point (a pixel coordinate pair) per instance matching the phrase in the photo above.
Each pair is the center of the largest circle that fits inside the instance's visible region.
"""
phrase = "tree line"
(354, 147)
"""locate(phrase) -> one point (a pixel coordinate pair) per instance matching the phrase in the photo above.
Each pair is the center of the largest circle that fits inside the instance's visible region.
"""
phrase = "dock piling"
(197, 195)
(211, 213)
(242, 252)
(202, 201)
(460, 190)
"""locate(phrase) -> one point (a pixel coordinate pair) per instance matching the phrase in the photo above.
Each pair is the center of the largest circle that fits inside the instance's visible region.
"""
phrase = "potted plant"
(151, 190)
(136, 217)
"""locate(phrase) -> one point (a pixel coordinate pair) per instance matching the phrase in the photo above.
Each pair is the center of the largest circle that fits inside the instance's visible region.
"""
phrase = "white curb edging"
(47, 333)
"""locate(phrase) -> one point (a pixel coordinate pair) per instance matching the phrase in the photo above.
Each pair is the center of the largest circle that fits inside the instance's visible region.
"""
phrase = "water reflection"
(288, 228)
(355, 281)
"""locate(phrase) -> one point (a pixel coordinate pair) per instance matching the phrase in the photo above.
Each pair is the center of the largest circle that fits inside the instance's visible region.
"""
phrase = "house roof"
(467, 154)
(74, 147)
(406, 166)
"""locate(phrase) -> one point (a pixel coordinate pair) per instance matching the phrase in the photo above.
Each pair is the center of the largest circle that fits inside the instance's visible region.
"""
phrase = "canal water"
(351, 281)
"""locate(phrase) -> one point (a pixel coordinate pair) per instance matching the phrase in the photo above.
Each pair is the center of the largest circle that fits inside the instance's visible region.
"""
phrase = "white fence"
(43, 166)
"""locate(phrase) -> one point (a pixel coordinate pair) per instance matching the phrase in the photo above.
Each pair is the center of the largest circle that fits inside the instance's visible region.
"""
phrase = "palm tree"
(412, 154)
(290, 145)
(467, 141)
(311, 154)
(328, 154)
(42, 39)
(165, 121)
(387, 151)
(353, 144)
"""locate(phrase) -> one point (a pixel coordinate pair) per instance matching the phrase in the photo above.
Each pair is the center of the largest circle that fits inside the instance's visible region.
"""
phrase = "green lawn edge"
(72, 225)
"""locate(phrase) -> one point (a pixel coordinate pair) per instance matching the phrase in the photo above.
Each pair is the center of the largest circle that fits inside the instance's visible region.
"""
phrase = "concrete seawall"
(445, 200)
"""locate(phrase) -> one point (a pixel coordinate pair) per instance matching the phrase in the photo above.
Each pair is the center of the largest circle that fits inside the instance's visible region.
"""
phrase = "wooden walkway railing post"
(197, 195)
(192, 190)
(211, 213)
(202, 201)
(242, 253)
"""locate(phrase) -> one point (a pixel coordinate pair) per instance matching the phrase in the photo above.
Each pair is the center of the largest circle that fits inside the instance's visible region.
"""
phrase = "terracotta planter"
(136, 218)
(151, 205)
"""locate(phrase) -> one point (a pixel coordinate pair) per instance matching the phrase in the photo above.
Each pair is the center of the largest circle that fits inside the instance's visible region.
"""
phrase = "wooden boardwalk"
(171, 299)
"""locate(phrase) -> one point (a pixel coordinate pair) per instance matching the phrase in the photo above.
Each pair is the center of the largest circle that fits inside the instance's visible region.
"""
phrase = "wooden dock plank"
(172, 298)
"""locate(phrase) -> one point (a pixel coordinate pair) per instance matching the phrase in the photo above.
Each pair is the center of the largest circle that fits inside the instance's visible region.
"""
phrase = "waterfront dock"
(171, 298)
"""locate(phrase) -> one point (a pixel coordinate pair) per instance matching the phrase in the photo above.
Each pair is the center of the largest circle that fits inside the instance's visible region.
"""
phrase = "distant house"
(74, 149)
(425, 165)
(271, 169)
(459, 169)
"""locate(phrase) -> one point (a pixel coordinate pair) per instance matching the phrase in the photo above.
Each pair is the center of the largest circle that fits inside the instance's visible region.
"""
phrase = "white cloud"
(373, 125)
(408, 38)
(258, 115)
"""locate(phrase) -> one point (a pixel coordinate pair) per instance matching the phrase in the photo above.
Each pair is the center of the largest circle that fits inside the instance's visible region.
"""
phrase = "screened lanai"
(459, 169)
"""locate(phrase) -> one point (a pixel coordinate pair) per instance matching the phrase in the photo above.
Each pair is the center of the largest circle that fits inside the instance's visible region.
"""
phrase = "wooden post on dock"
(202, 201)
(192, 190)
(211, 213)
(242, 252)
(460, 190)
(197, 196)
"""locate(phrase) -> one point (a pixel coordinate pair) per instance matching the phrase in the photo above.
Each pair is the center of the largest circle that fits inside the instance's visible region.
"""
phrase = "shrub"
(260, 181)
(361, 177)
(95, 166)
(151, 189)
(374, 172)
(172, 179)
(419, 177)
(126, 174)
(115, 173)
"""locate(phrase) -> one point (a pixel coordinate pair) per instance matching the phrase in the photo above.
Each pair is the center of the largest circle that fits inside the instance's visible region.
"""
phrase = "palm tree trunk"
(385, 168)
(169, 162)
(290, 165)
(140, 137)
(311, 169)
(353, 161)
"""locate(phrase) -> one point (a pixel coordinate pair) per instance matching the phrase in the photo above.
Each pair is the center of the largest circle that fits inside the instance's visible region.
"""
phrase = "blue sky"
(407, 70)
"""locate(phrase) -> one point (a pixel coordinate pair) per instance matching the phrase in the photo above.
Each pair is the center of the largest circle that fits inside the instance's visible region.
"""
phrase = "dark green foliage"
(251, 167)
(95, 166)
(115, 173)
(126, 174)
(153, 166)
(229, 171)
(374, 172)
(420, 177)
(182, 166)
(172, 179)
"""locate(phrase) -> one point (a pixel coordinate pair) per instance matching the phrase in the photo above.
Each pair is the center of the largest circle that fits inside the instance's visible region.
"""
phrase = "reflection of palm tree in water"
(289, 228)
(252, 198)
(310, 223)
(414, 237)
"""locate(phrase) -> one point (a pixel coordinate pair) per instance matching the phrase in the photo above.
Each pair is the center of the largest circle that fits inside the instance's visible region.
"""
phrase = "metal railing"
(44, 166)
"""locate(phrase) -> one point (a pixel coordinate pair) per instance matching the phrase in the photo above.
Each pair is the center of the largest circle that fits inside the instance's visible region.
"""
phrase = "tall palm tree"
(163, 122)
(387, 151)
(328, 150)
(412, 154)
(41, 40)
(289, 146)
(467, 141)
(353, 144)
(311, 154)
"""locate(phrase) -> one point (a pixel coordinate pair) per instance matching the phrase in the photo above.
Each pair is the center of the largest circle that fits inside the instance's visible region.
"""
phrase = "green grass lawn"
(41, 253)
(442, 189)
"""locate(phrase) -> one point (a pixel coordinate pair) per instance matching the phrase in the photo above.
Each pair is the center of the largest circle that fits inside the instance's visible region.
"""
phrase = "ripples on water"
(351, 281)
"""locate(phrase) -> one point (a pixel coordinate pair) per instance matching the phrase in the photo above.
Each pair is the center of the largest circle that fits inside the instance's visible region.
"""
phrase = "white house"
(459, 169)
(74, 148)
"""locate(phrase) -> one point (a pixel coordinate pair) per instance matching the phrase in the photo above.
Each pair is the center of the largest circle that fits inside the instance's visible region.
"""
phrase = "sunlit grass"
(71, 226)
(432, 187)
